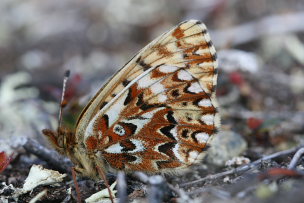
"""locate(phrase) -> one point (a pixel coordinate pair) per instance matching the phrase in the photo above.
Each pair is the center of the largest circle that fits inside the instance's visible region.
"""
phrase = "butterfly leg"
(103, 176)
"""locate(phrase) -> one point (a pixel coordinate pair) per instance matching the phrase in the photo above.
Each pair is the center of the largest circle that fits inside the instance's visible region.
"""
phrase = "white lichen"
(41, 176)
(103, 195)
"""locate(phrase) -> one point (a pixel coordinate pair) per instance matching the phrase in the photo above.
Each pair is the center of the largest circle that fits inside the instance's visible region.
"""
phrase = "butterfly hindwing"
(159, 111)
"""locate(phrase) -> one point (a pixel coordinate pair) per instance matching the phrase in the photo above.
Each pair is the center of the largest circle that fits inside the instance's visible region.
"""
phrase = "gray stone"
(224, 146)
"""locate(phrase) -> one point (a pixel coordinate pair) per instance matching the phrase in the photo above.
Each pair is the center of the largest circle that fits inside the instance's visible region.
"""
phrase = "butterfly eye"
(119, 130)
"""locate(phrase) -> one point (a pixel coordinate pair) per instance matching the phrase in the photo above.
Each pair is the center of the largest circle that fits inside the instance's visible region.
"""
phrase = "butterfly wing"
(159, 111)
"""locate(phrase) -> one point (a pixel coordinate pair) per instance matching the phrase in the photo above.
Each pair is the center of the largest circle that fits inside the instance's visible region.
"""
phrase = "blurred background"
(260, 46)
(259, 43)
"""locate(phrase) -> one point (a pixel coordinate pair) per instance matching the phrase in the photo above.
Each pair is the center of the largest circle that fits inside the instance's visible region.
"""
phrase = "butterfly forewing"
(159, 111)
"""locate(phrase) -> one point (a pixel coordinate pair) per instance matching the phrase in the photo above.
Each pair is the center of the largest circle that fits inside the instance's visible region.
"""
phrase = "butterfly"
(156, 114)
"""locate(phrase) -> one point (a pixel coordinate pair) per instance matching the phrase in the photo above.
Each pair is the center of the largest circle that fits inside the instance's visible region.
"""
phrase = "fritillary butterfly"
(156, 114)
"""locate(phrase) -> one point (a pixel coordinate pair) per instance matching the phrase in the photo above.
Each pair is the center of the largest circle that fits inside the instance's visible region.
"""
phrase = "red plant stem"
(76, 185)
(103, 176)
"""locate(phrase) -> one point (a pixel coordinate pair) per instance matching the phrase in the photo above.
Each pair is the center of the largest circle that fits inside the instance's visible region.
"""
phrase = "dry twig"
(296, 158)
(244, 168)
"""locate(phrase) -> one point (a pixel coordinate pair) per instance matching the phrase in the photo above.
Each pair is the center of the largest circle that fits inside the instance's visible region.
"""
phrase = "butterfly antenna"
(62, 101)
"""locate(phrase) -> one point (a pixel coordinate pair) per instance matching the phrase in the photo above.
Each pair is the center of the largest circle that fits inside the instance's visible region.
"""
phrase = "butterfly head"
(62, 140)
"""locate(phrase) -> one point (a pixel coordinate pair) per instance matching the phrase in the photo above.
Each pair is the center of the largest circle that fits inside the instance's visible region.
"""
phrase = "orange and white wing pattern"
(158, 112)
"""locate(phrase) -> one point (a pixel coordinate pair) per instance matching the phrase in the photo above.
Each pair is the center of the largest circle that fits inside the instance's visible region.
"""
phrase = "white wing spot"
(176, 153)
(205, 103)
(207, 37)
(114, 149)
(208, 119)
(202, 51)
(167, 69)
(173, 131)
(162, 98)
(145, 81)
(157, 88)
(117, 149)
(206, 64)
(184, 75)
(195, 88)
(202, 137)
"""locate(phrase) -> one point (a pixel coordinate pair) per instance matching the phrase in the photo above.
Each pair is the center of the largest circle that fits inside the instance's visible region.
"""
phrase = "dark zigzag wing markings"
(160, 140)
